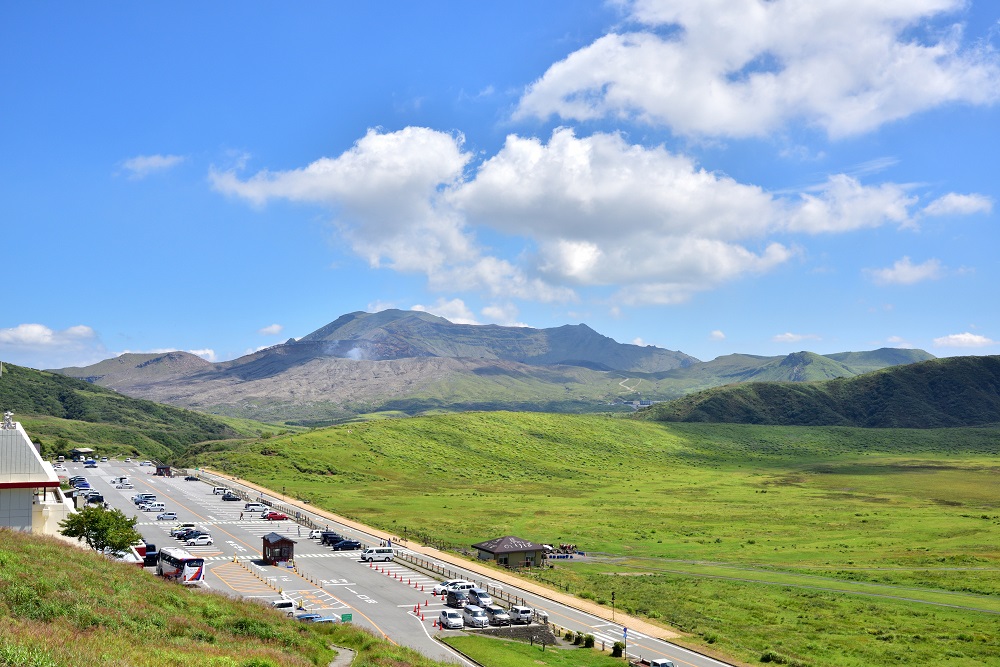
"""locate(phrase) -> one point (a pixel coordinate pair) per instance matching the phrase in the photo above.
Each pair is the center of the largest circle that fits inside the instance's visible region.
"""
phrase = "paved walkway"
(637, 624)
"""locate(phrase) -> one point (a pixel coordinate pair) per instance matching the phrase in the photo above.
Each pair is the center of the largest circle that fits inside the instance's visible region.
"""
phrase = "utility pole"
(612, 606)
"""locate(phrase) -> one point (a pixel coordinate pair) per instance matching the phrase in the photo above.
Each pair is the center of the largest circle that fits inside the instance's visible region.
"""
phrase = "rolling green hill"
(59, 409)
(64, 607)
(957, 391)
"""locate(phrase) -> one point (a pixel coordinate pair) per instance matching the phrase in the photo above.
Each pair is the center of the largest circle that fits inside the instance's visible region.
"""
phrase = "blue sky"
(713, 176)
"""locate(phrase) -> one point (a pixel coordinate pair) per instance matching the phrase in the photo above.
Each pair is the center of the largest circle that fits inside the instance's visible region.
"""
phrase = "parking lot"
(392, 598)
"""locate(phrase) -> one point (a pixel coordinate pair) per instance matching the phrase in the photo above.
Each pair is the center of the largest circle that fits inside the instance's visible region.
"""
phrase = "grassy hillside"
(796, 540)
(64, 607)
(64, 412)
(958, 391)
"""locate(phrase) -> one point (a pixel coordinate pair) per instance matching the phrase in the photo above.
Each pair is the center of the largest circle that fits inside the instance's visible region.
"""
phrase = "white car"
(166, 516)
(146, 463)
(443, 587)
(200, 540)
(452, 619)
(126, 485)
(59, 466)
(128, 459)
(315, 534)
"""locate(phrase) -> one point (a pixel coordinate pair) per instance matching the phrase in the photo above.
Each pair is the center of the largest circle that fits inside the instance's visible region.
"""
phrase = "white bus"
(179, 564)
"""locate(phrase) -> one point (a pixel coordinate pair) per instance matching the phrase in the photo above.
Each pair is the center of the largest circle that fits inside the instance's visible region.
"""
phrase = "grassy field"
(830, 546)
(65, 607)
(504, 653)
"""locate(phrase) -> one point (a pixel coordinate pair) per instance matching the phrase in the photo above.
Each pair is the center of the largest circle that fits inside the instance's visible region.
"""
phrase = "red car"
(275, 516)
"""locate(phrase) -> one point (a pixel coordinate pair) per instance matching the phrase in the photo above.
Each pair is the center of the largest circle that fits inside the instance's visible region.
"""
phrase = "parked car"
(180, 528)
(347, 545)
(451, 619)
(104, 459)
(480, 597)
(457, 599)
(77, 478)
(475, 617)
(59, 467)
(378, 553)
(92, 464)
(146, 463)
(189, 533)
(95, 499)
(497, 615)
(315, 534)
(519, 614)
(190, 478)
(307, 617)
(230, 496)
(201, 540)
(128, 459)
(275, 516)
(82, 484)
(166, 516)
(327, 619)
(464, 586)
(330, 537)
(442, 588)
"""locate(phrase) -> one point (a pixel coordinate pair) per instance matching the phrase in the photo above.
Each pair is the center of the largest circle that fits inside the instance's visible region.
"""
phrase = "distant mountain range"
(413, 362)
(958, 391)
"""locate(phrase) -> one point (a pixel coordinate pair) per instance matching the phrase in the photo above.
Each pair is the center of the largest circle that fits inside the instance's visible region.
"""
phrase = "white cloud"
(207, 354)
(725, 68)
(41, 336)
(956, 204)
(905, 272)
(794, 337)
(588, 212)
(271, 330)
(844, 204)
(898, 341)
(717, 335)
(141, 166)
(638, 341)
(453, 310)
(504, 314)
(964, 340)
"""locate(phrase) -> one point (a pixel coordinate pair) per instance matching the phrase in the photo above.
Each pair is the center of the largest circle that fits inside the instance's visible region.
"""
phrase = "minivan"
(153, 507)
(519, 614)
(254, 507)
(475, 617)
(457, 599)
(480, 597)
(378, 553)
(287, 606)
(497, 615)
(219, 490)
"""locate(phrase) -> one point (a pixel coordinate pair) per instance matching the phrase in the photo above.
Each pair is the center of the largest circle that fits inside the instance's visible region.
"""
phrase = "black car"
(230, 496)
(457, 599)
(330, 537)
(347, 545)
(190, 478)
(189, 534)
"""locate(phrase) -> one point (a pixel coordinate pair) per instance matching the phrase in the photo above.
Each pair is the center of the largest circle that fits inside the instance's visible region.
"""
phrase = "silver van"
(378, 553)
(480, 597)
(219, 490)
(475, 617)
(519, 614)
(286, 606)
(255, 507)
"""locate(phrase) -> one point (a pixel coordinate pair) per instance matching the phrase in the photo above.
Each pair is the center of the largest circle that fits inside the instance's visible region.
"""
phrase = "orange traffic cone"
(425, 603)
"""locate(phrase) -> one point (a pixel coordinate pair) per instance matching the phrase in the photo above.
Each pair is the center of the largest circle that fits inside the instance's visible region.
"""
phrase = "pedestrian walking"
(299, 530)
(241, 516)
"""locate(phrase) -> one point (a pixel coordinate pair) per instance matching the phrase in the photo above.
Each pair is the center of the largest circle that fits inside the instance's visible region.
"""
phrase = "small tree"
(102, 529)
(618, 649)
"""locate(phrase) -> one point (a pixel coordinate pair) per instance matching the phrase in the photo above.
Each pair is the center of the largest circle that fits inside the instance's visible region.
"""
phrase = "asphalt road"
(382, 597)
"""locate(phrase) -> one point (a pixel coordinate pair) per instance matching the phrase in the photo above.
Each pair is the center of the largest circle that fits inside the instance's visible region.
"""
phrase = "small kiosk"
(277, 549)
(163, 471)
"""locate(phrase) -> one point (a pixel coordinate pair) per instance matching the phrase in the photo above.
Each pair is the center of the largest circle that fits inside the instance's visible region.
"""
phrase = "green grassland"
(506, 653)
(826, 545)
(63, 607)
